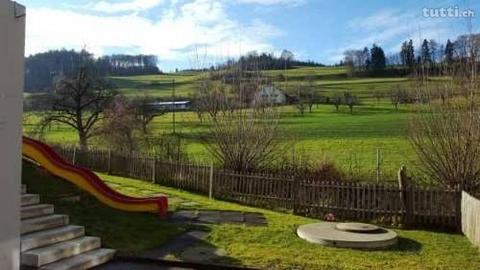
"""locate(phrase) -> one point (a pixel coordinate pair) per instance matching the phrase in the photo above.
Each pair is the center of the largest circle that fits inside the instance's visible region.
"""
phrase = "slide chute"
(88, 181)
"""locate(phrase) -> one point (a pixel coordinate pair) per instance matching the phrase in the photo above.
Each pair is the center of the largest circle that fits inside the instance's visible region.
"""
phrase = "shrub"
(326, 171)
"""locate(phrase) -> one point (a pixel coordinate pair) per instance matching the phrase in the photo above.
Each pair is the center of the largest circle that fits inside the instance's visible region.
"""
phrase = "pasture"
(350, 140)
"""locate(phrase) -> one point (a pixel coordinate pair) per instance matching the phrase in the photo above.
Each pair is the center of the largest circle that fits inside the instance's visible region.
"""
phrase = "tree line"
(431, 57)
(254, 61)
(43, 69)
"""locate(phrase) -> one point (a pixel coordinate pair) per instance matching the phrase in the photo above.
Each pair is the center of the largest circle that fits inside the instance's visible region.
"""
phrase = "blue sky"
(198, 33)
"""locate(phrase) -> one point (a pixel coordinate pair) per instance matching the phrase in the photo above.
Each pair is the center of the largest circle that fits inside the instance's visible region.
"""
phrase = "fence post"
(74, 155)
(295, 190)
(154, 171)
(210, 182)
(458, 207)
(109, 161)
(404, 199)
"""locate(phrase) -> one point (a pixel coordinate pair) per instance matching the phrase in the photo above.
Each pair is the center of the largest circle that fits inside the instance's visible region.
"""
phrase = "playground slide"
(85, 179)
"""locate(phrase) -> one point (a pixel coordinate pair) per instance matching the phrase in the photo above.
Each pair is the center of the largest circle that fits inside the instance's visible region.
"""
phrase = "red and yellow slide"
(85, 179)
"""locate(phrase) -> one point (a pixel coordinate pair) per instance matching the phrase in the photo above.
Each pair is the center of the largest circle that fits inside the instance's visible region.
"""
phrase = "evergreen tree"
(407, 54)
(426, 55)
(448, 54)
(378, 59)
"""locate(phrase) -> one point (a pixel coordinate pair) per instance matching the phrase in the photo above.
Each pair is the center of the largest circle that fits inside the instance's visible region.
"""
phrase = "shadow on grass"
(406, 245)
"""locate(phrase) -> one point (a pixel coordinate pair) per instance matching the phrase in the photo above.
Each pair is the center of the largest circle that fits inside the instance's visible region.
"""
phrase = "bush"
(326, 171)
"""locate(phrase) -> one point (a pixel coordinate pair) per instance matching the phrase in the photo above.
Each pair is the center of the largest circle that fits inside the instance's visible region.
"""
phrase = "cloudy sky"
(198, 33)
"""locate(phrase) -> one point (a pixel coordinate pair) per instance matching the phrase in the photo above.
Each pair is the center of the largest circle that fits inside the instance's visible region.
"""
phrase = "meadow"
(352, 141)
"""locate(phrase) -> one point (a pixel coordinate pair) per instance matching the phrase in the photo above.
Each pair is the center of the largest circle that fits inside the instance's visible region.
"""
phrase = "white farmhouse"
(268, 94)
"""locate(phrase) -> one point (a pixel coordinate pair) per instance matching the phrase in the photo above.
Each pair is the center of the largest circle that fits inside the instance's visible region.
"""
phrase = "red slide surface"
(85, 179)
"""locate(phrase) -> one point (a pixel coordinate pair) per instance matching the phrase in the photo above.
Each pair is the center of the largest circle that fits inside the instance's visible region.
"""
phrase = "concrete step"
(82, 261)
(29, 199)
(51, 236)
(36, 210)
(24, 189)
(49, 254)
(43, 223)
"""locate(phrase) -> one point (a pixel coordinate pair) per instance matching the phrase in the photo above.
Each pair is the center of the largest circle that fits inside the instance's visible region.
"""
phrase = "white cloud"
(272, 2)
(125, 6)
(174, 36)
(388, 28)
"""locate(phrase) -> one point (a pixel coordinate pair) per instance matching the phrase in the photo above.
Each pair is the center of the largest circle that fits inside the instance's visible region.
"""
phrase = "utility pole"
(173, 105)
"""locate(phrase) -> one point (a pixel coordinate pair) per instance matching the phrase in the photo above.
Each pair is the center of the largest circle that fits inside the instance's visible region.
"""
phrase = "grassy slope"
(272, 247)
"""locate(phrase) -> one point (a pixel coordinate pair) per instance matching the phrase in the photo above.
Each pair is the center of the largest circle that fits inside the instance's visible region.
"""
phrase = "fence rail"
(413, 206)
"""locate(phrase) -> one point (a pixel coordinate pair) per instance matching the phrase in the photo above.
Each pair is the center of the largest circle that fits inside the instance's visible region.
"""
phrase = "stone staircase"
(48, 242)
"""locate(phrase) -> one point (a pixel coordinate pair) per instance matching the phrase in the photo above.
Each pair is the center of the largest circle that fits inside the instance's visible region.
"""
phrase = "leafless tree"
(301, 99)
(336, 101)
(446, 133)
(210, 97)
(245, 139)
(446, 138)
(350, 100)
(145, 111)
(399, 95)
(119, 125)
(79, 103)
(376, 94)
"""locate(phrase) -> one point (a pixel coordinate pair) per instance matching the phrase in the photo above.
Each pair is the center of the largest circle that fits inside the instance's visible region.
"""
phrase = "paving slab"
(135, 266)
(202, 254)
(176, 245)
(189, 204)
(219, 217)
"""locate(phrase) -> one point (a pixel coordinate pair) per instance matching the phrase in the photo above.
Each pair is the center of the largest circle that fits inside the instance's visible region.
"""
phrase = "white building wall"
(12, 38)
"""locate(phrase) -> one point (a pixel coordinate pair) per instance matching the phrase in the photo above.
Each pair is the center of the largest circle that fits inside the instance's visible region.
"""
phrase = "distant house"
(269, 94)
(171, 105)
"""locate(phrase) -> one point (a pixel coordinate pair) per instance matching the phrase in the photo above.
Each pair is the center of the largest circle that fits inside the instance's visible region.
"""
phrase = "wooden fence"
(471, 218)
(412, 206)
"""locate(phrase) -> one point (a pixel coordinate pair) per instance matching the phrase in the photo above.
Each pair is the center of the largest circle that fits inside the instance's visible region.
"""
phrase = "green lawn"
(272, 247)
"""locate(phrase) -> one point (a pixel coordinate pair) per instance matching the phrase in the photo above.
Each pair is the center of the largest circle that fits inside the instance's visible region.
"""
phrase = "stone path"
(219, 217)
(177, 245)
(189, 247)
(115, 265)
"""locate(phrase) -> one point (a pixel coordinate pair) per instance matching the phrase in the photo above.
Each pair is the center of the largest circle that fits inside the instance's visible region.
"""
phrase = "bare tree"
(119, 125)
(376, 94)
(245, 139)
(399, 95)
(445, 133)
(350, 100)
(145, 111)
(79, 103)
(301, 103)
(209, 97)
(336, 101)
(446, 138)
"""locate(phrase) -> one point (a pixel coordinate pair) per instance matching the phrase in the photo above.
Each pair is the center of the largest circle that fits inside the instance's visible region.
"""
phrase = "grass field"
(327, 80)
(351, 140)
(273, 247)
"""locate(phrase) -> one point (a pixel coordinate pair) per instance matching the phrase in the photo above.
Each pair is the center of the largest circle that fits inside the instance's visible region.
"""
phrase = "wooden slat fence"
(413, 206)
